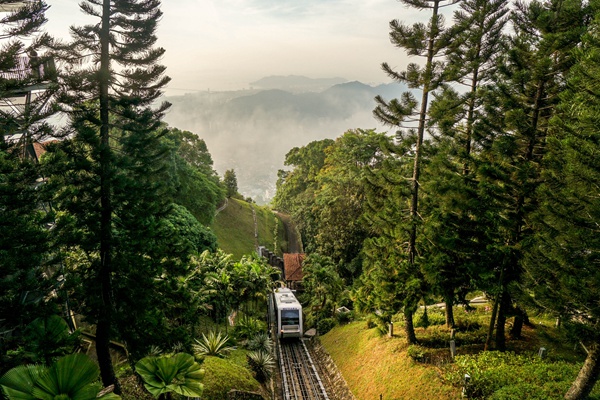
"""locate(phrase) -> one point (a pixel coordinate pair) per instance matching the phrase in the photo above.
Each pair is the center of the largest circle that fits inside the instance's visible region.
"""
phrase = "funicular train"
(286, 312)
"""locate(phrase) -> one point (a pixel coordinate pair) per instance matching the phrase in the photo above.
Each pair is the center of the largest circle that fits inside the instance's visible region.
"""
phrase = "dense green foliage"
(224, 374)
(72, 377)
(178, 373)
(110, 222)
(24, 250)
(497, 375)
(491, 188)
(230, 183)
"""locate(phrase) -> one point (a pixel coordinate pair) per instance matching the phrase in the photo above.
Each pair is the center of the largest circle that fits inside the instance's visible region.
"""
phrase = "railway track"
(300, 379)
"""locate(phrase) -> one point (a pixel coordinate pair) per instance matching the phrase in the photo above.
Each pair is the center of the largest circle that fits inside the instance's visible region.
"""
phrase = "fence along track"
(299, 376)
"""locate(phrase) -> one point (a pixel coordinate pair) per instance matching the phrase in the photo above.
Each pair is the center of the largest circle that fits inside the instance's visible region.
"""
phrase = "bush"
(467, 325)
(325, 325)
(434, 316)
(260, 342)
(343, 317)
(212, 345)
(371, 322)
(416, 352)
(223, 374)
(247, 327)
(435, 337)
(498, 375)
(262, 363)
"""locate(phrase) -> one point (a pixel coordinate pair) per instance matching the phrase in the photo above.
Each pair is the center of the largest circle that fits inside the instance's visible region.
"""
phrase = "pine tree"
(24, 72)
(230, 182)
(561, 263)
(429, 42)
(24, 249)
(524, 100)
(454, 219)
(113, 79)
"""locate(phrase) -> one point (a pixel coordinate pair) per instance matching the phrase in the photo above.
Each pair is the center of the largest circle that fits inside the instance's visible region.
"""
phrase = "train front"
(291, 322)
(288, 312)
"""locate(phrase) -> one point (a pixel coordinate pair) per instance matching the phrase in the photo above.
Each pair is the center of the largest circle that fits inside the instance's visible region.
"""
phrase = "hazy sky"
(226, 44)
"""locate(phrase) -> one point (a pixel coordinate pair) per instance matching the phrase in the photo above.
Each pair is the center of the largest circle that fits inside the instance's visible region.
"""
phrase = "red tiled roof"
(40, 148)
(292, 264)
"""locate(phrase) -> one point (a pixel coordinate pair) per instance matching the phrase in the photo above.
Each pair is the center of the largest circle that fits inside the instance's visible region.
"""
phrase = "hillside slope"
(375, 365)
(235, 229)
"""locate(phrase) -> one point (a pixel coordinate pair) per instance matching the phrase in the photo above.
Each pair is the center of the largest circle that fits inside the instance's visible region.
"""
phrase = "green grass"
(223, 374)
(234, 228)
(375, 365)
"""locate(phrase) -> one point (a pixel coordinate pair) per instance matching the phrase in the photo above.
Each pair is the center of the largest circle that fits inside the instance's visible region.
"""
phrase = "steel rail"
(300, 378)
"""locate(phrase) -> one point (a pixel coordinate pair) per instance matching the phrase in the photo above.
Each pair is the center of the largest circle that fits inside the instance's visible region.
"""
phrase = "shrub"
(370, 322)
(416, 352)
(498, 375)
(435, 337)
(260, 342)
(434, 316)
(422, 320)
(467, 324)
(262, 363)
(247, 327)
(325, 325)
(212, 345)
(223, 374)
(343, 317)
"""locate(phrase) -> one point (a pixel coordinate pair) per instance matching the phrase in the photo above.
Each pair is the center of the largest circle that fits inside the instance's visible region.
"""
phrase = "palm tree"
(73, 377)
(164, 375)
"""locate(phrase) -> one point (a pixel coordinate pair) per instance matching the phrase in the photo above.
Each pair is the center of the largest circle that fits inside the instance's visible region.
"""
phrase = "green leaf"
(73, 375)
(18, 383)
(179, 373)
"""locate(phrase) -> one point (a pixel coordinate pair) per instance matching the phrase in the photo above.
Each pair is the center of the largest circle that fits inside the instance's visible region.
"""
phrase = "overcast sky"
(226, 44)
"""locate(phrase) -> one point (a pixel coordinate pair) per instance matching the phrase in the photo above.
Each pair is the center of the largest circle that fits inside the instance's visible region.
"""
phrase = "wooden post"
(391, 330)
(452, 348)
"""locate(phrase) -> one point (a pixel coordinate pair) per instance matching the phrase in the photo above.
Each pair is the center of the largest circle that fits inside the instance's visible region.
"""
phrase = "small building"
(292, 268)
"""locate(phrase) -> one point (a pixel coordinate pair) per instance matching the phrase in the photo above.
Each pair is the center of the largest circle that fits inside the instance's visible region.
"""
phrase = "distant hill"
(251, 131)
(296, 83)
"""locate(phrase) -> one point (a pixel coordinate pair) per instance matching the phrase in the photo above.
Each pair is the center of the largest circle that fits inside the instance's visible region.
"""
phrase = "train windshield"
(290, 317)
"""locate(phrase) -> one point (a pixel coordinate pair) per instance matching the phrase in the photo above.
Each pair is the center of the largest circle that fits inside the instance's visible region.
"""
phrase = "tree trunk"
(488, 341)
(588, 374)
(501, 323)
(449, 312)
(104, 274)
(517, 327)
(409, 328)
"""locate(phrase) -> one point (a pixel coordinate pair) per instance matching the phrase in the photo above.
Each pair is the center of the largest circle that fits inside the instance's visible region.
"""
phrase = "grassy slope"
(375, 365)
(223, 374)
(234, 227)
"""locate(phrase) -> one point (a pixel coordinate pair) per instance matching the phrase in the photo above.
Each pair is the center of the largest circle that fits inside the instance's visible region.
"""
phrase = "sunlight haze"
(226, 44)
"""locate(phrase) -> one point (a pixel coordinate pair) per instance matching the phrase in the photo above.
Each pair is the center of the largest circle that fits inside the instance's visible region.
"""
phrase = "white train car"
(288, 314)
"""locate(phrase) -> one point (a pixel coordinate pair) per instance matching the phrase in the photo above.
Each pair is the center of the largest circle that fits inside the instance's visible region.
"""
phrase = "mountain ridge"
(252, 130)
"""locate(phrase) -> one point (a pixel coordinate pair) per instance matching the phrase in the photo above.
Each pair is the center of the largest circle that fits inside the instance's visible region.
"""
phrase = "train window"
(290, 317)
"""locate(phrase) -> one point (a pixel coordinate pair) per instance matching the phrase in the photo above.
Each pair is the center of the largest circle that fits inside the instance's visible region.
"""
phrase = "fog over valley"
(251, 130)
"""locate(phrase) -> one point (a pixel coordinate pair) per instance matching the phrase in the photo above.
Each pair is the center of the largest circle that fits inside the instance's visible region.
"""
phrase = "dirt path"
(294, 242)
(223, 206)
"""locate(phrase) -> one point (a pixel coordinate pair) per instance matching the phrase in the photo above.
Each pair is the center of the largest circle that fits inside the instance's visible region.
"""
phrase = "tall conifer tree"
(24, 249)
(562, 263)
(454, 221)
(529, 80)
(427, 41)
(112, 81)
